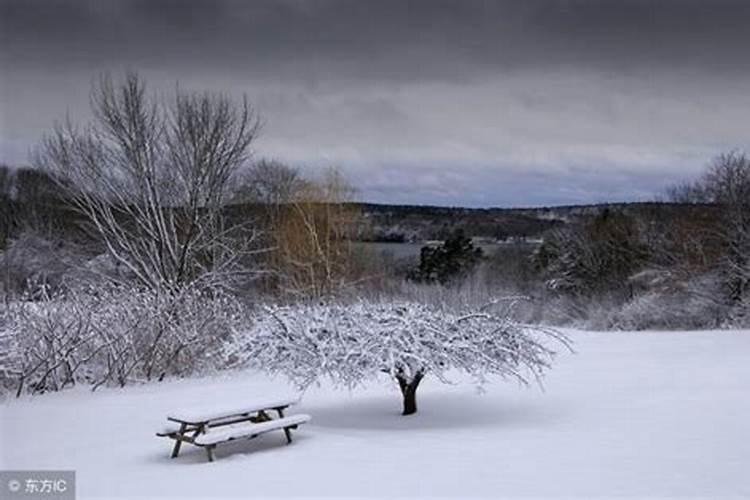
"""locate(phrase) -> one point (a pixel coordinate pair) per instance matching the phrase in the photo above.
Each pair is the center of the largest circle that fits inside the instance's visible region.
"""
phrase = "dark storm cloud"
(460, 100)
(384, 39)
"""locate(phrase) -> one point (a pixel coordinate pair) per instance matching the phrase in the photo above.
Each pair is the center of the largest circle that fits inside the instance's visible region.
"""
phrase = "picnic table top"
(207, 413)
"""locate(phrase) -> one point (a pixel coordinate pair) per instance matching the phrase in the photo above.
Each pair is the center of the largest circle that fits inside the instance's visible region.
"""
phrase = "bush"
(116, 335)
(668, 303)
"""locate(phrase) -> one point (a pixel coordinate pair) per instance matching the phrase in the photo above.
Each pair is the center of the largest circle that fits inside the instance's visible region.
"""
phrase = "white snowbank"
(636, 414)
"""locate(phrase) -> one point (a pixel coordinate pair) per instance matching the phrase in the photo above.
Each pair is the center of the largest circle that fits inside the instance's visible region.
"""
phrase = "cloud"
(458, 102)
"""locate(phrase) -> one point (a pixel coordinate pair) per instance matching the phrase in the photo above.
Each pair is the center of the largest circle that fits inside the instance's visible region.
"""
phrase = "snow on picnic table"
(630, 414)
(209, 410)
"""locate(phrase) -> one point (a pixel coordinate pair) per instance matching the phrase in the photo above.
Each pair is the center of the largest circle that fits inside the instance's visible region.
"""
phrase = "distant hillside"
(43, 208)
(400, 223)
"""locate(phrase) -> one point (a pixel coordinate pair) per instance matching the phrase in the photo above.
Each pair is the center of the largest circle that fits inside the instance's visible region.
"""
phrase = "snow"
(204, 411)
(237, 431)
(643, 414)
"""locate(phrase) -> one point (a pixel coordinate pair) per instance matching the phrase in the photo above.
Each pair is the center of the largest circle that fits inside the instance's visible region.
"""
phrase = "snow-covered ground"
(630, 414)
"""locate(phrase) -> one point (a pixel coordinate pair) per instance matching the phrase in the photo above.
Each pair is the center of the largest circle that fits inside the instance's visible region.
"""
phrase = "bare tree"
(152, 178)
(592, 258)
(726, 185)
(687, 193)
(270, 184)
(313, 237)
(308, 224)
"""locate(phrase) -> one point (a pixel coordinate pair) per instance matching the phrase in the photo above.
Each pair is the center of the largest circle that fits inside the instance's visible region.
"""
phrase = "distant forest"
(417, 223)
(30, 199)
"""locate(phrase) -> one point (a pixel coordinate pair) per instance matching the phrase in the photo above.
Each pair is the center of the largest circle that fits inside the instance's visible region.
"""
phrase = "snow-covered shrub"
(574, 311)
(349, 343)
(666, 302)
(9, 352)
(593, 258)
(738, 315)
(659, 311)
(116, 335)
(52, 335)
(473, 292)
(148, 335)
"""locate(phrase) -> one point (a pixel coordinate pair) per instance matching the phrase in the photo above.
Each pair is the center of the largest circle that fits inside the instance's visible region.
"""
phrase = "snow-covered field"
(630, 414)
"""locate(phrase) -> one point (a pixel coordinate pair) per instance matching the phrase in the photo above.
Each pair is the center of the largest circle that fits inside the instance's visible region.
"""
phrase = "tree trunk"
(409, 392)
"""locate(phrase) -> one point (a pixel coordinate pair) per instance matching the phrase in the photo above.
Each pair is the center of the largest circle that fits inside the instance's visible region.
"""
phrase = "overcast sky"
(476, 103)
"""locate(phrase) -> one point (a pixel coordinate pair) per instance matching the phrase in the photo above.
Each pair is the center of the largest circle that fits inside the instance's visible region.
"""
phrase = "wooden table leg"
(287, 432)
(200, 430)
(178, 442)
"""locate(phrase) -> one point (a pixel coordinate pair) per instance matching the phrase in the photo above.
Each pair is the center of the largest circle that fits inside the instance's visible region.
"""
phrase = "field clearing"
(647, 414)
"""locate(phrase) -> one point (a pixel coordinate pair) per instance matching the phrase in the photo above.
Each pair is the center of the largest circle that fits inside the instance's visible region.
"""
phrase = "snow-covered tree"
(593, 258)
(725, 184)
(153, 179)
(350, 343)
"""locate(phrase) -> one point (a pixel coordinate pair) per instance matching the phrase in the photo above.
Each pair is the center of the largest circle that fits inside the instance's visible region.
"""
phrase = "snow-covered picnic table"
(209, 426)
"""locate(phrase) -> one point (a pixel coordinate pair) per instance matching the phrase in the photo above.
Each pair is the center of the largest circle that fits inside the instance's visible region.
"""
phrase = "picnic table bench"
(212, 426)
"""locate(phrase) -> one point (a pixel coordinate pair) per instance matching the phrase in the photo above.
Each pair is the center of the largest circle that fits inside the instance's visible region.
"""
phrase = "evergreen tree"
(447, 262)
